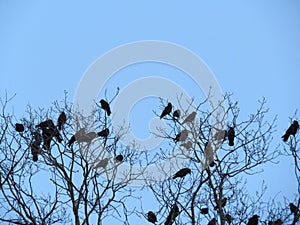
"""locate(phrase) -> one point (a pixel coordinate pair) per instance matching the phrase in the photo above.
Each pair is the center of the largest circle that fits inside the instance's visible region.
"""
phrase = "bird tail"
(285, 137)
(231, 143)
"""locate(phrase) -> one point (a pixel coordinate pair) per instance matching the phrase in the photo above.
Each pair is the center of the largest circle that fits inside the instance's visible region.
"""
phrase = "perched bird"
(182, 173)
(46, 124)
(231, 135)
(19, 127)
(176, 114)
(103, 133)
(62, 119)
(181, 136)
(35, 149)
(119, 158)
(71, 141)
(212, 222)
(228, 218)
(47, 138)
(172, 215)
(292, 130)
(81, 136)
(151, 217)
(167, 110)
(105, 106)
(49, 130)
(190, 118)
(222, 203)
(102, 163)
(253, 220)
(209, 154)
(293, 208)
(204, 210)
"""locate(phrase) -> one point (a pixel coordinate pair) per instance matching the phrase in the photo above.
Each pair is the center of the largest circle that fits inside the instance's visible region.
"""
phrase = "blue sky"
(253, 48)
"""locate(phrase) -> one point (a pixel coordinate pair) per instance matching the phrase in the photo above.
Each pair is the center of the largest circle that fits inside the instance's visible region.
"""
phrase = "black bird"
(35, 149)
(223, 203)
(293, 208)
(103, 133)
(119, 158)
(19, 127)
(228, 218)
(190, 118)
(212, 222)
(46, 124)
(176, 114)
(292, 130)
(105, 106)
(47, 137)
(181, 136)
(231, 135)
(49, 129)
(71, 141)
(62, 119)
(167, 110)
(151, 217)
(253, 220)
(182, 173)
(172, 215)
(204, 210)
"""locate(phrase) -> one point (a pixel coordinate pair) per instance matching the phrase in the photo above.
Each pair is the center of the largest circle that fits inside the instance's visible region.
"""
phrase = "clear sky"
(253, 48)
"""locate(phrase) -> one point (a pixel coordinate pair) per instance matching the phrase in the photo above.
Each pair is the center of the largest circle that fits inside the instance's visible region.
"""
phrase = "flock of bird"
(50, 131)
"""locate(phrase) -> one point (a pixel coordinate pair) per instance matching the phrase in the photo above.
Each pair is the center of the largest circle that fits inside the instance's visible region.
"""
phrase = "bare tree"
(63, 167)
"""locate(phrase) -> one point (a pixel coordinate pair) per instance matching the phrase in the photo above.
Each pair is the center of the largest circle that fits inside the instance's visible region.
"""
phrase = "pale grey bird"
(190, 118)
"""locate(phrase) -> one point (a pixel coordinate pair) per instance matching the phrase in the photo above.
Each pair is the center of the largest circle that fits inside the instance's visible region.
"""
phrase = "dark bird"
(62, 119)
(253, 220)
(19, 127)
(292, 130)
(176, 114)
(119, 158)
(35, 149)
(46, 124)
(103, 133)
(212, 222)
(204, 210)
(71, 141)
(181, 136)
(151, 217)
(228, 218)
(190, 118)
(182, 173)
(231, 135)
(222, 203)
(293, 208)
(172, 215)
(49, 130)
(105, 106)
(167, 110)
(81, 136)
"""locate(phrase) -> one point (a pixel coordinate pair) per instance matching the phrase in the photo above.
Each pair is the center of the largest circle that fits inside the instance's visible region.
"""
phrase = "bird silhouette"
(292, 130)
(253, 220)
(103, 133)
(167, 110)
(62, 119)
(119, 158)
(181, 136)
(47, 138)
(35, 149)
(293, 208)
(204, 211)
(172, 215)
(220, 135)
(46, 124)
(82, 136)
(105, 106)
(212, 222)
(182, 173)
(231, 135)
(209, 154)
(151, 217)
(19, 127)
(176, 114)
(276, 222)
(49, 131)
(190, 118)
(187, 145)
